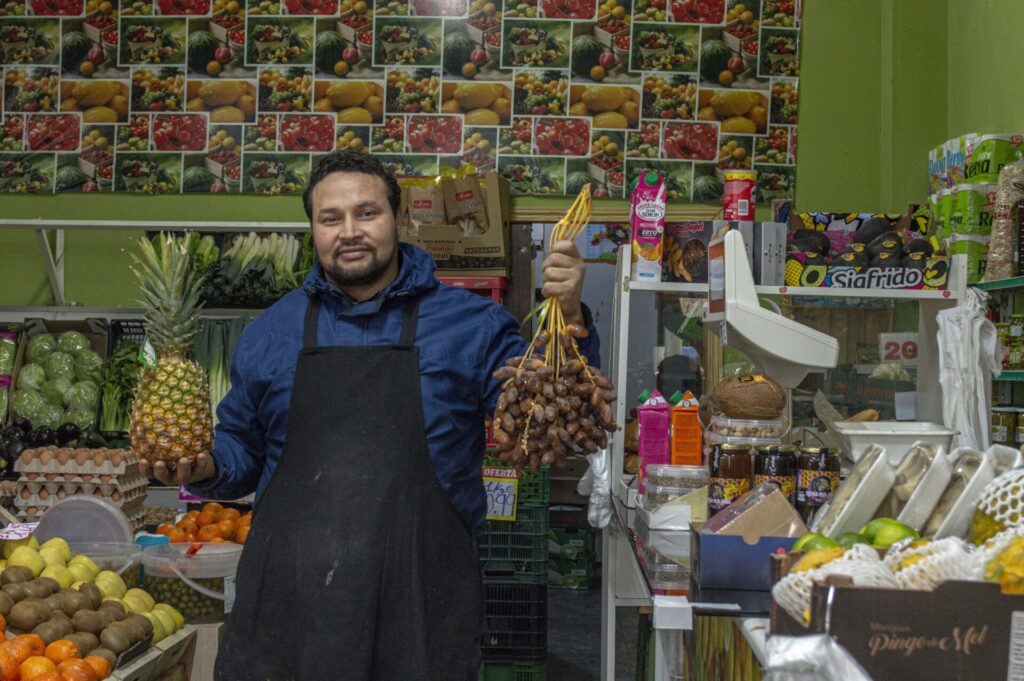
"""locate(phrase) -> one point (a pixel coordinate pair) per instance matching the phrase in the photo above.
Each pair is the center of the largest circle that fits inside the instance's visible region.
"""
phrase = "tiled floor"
(574, 637)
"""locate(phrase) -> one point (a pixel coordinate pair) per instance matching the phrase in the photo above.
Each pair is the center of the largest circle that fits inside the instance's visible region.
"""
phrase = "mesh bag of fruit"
(552, 403)
(923, 564)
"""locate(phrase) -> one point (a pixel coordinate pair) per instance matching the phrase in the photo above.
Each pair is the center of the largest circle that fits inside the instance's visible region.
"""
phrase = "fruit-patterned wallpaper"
(168, 96)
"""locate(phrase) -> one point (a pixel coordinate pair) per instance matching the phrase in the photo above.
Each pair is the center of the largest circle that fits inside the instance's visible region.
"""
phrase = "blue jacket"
(462, 338)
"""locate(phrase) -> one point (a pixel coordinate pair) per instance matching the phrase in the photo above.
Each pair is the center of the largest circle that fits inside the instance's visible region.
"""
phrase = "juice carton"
(653, 419)
(687, 437)
(647, 224)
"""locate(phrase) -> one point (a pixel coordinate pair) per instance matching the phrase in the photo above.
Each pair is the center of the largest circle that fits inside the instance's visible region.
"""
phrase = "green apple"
(61, 574)
(60, 545)
(81, 572)
(134, 604)
(82, 559)
(111, 584)
(159, 633)
(179, 619)
(142, 595)
(26, 556)
(12, 544)
(166, 621)
(52, 556)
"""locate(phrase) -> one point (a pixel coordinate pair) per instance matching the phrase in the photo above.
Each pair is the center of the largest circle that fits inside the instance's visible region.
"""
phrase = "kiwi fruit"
(115, 639)
(67, 590)
(17, 592)
(106, 616)
(51, 585)
(93, 592)
(48, 631)
(6, 603)
(116, 610)
(64, 625)
(106, 654)
(134, 630)
(29, 614)
(85, 641)
(144, 622)
(36, 590)
(56, 602)
(76, 601)
(16, 575)
(88, 621)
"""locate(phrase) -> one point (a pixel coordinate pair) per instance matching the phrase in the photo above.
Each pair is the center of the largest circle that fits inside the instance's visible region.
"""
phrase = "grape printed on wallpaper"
(175, 96)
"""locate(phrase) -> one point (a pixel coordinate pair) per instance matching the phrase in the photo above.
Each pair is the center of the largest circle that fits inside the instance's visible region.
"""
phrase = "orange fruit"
(62, 650)
(35, 642)
(242, 534)
(245, 520)
(213, 506)
(191, 515)
(166, 529)
(76, 670)
(206, 518)
(19, 651)
(209, 533)
(3, 624)
(188, 526)
(48, 676)
(230, 514)
(227, 528)
(9, 670)
(99, 665)
(177, 536)
(36, 666)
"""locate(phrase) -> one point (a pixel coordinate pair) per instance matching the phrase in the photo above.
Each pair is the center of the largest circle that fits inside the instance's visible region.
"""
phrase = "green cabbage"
(89, 367)
(49, 415)
(60, 364)
(83, 418)
(31, 377)
(73, 343)
(83, 395)
(27, 403)
(40, 347)
(54, 389)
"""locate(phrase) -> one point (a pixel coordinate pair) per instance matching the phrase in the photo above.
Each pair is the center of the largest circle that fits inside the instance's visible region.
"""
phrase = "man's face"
(354, 229)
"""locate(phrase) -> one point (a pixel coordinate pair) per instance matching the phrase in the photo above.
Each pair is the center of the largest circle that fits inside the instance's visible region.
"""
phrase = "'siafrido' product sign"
(225, 96)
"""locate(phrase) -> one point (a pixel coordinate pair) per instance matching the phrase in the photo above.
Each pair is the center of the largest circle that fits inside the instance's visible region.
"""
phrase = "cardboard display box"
(458, 255)
(733, 562)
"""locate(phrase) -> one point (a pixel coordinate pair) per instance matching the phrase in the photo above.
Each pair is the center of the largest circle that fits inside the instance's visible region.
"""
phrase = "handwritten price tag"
(18, 530)
(502, 488)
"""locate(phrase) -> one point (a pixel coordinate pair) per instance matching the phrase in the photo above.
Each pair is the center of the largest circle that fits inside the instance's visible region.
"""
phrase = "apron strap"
(410, 318)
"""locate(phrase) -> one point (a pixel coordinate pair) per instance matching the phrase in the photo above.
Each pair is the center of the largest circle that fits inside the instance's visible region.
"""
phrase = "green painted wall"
(985, 57)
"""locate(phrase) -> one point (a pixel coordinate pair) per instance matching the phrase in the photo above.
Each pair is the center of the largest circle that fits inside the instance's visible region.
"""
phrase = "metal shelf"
(810, 292)
(59, 314)
(1001, 284)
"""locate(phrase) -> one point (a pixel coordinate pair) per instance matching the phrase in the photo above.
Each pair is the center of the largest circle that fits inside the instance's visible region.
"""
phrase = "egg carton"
(83, 477)
(32, 514)
(47, 500)
(80, 461)
(129, 488)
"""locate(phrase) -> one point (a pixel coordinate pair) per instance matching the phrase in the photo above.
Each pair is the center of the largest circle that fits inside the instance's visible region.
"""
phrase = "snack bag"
(426, 207)
(464, 204)
(647, 223)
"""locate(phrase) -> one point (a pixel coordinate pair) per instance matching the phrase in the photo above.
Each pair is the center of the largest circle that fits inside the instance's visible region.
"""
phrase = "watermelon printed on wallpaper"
(172, 96)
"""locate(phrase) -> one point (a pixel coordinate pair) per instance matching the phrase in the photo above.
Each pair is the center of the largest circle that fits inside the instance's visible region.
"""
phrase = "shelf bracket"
(53, 258)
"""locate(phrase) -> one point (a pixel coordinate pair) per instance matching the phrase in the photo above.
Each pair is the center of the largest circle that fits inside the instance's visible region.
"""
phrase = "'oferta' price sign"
(502, 487)
(17, 531)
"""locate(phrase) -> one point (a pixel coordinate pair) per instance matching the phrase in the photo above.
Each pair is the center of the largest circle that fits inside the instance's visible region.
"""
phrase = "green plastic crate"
(517, 671)
(516, 551)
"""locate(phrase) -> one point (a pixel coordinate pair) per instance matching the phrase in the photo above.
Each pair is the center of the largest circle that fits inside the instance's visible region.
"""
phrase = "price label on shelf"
(17, 531)
(897, 348)
(502, 488)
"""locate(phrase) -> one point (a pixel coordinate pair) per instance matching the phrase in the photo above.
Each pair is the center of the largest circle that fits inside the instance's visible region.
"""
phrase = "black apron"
(358, 567)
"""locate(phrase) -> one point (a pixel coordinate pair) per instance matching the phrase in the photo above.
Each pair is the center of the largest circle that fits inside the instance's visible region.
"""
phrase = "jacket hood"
(415, 276)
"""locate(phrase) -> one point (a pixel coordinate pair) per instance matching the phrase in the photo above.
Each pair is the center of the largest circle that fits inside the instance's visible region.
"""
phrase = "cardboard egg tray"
(134, 511)
(72, 467)
(76, 485)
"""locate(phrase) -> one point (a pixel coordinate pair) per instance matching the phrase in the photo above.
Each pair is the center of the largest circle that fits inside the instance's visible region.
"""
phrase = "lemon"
(213, 68)
(597, 73)
(726, 77)
(468, 70)
(341, 68)
(87, 68)
(611, 148)
(232, 7)
(360, 7)
(619, 12)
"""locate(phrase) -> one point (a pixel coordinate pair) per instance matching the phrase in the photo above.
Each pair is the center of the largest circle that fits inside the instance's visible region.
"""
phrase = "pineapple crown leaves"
(170, 288)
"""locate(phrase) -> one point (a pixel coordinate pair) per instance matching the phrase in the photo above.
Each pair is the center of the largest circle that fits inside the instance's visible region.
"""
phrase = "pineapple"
(171, 415)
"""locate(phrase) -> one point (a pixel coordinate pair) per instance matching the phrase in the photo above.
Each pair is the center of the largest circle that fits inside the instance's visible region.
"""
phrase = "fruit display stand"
(624, 582)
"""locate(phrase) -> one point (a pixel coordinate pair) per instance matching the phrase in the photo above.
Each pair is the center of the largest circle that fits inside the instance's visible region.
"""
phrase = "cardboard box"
(94, 329)
(458, 255)
(686, 251)
(733, 562)
(961, 631)
(571, 574)
(570, 542)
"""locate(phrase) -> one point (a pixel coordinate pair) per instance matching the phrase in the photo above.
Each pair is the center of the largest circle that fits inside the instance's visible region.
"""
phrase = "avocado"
(871, 229)
(920, 246)
(889, 242)
(885, 260)
(811, 241)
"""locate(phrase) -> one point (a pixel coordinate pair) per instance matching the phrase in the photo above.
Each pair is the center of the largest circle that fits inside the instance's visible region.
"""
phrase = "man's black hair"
(351, 162)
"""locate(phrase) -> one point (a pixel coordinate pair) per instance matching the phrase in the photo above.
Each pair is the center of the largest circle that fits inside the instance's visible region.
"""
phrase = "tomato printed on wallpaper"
(173, 96)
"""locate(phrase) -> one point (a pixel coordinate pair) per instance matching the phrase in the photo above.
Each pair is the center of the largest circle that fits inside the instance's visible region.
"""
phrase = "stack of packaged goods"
(49, 475)
(963, 173)
(513, 556)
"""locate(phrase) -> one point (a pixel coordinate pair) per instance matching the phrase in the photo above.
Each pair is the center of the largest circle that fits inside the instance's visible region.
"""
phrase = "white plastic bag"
(596, 483)
(810, 658)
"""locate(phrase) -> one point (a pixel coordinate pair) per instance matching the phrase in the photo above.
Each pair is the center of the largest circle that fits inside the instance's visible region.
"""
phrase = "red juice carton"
(647, 224)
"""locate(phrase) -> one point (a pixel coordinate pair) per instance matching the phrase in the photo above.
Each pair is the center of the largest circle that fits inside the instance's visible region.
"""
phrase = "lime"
(848, 539)
(872, 528)
(891, 534)
(814, 540)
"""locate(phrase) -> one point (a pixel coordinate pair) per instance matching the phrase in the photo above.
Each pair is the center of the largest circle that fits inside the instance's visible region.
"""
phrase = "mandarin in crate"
(99, 665)
(35, 642)
(213, 506)
(62, 650)
(227, 528)
(242, 534)
(35, 666)
(9, 669)
(209, 533)
(206, 518)
(76, 670)
(48, 676)
(18, 651)
(230, 514)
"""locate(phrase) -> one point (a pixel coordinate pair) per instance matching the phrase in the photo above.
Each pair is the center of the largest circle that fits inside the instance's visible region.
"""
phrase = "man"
(356, 415)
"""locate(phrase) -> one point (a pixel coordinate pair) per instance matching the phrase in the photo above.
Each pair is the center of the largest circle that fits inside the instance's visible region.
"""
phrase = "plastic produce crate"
(535, 488)
(517, 622)
(517, 551)
(517, 671)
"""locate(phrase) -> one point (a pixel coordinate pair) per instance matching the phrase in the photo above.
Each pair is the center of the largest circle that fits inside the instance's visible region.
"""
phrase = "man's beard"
(358, 274)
